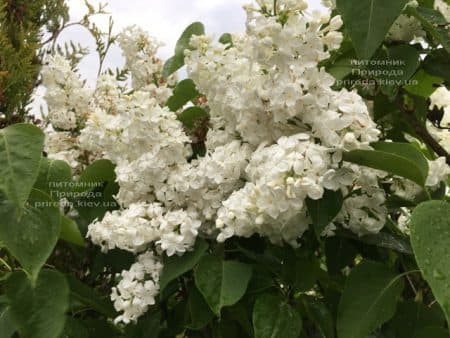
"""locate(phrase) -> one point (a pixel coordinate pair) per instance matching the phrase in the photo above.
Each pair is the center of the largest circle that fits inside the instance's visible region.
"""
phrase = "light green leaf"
(184, 92)
(176, 266)
(54, 178)
(222, 283)
(31, 237)
(323, 211)
(191, 115)
(172, 65)
(21, 148)
(368, 22)
(38, 311)
(400, 159)
(369, 299)
(430, 237)
(273, 317)
(70, 232)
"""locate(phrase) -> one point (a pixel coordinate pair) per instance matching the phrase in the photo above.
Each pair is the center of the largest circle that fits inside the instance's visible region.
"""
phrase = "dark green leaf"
(369, 299)
(222, 283)
(321, 317)
(90, 297)
(273, 317)
(199, 311)
(176, 266)
(411, 317)
(195, 28)
(191, 115)
(401, 159)
(7, 326)
(21, 148)
(339, 252)
(432, 332)
(368, 22)
(430, 237)
(324, 211)
(433, 22)
(184, 92)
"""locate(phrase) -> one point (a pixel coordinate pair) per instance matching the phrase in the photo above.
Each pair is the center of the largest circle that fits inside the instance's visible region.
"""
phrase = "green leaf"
(31, 237)
(176, 266)
(226, 39)
(423, 84)
(369, 299)
(54, 178)
(273, 317)
(368, 22)
(21, 148)
(195, 28)
(7, 326)
(74, 328)
(90, 297)
(39, 311)
(432, 332)
(437, 63)
(411, 317)
(382, 239)
(199, 312)
(400, 159)
(70, 232)
(430, 237)
(172, 65)
(433, 22)
(191, 115)
(322, 318)
(339, 252)
(148, 326)
(222, 283)
(184, 92)
(96, 189)
(324, 211)
(177, 61)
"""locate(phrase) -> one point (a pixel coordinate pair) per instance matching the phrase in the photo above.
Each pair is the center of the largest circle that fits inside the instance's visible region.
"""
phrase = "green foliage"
(22, 24)
(430, 236)
(345, 286)
(38, 310)
(368, 22)
(401, 159)
(177, 61)
(274, 318)
(221, 282)
(368, 300)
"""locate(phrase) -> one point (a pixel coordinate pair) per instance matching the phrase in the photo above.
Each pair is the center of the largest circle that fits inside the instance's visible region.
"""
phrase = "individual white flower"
(438, 172)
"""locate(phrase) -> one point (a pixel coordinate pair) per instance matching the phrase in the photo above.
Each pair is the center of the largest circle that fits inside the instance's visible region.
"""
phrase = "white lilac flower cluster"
(137, 288)
(275, 138)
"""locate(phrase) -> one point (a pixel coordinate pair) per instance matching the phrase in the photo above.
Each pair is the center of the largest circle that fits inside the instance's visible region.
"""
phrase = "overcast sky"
(164, 19)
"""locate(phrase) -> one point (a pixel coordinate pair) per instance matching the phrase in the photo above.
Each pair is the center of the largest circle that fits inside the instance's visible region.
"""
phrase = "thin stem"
(422, 132)
(5, 264)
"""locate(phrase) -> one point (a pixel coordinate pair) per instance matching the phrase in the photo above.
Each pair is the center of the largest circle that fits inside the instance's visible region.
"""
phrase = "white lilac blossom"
(67, 96)
(137, 288)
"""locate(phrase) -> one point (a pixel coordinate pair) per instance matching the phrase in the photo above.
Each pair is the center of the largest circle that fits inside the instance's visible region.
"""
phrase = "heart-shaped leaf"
(39, 311)
(222, 283)
(21, 148)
